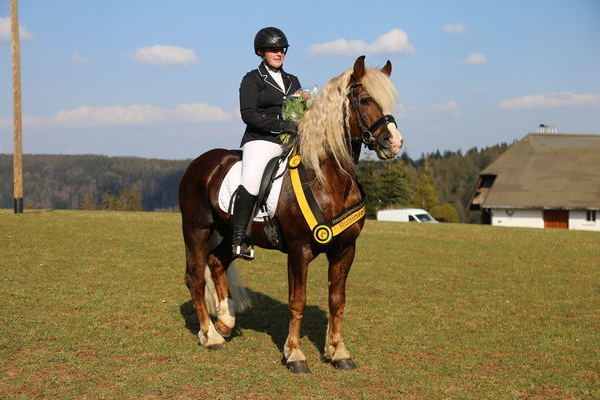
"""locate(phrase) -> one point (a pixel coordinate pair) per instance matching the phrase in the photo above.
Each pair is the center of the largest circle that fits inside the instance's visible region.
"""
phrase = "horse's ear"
(387, 68)
(359, 68)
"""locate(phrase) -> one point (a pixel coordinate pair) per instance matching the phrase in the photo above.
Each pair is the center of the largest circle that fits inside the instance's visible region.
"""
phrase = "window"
(590, 215)
(424, 217)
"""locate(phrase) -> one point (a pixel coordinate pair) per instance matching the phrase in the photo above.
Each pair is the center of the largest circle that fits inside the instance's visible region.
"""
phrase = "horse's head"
(372, 96)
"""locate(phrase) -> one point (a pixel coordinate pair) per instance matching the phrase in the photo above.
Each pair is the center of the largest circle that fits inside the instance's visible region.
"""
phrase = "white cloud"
(5, 31)
(554, 99)
(165, 55)
(133, 115)
(394, 42)
(78, 59)
(430, 111)
(455, 28)
(476, 58)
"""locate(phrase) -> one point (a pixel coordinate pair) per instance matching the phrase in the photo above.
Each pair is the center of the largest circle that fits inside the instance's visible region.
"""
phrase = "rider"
(261, 96)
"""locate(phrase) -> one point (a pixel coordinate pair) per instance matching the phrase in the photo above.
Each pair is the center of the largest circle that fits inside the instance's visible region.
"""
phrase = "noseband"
(366, 131)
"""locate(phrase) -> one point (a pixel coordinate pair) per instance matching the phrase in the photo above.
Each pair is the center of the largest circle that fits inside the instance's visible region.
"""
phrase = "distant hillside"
(61, 181)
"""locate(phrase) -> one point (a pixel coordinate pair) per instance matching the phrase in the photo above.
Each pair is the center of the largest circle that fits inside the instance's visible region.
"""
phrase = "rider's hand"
(288, 126)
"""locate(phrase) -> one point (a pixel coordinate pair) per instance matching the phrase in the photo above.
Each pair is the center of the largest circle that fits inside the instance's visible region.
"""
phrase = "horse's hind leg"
(196, 248)
(218, 261)
(340, 262)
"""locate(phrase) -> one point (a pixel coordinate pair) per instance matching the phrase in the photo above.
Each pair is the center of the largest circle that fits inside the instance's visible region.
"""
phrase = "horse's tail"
(237, 290)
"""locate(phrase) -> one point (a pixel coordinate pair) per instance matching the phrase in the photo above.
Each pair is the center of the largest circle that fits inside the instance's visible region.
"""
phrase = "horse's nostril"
(387, 140)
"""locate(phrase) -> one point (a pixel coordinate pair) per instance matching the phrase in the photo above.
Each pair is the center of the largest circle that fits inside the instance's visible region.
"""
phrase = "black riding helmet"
(269, 37)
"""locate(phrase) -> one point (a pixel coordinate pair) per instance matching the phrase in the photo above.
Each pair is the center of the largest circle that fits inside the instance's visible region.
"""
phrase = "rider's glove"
(288, 126)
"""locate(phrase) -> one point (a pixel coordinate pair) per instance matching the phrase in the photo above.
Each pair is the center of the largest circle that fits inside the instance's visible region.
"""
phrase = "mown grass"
(94, 307)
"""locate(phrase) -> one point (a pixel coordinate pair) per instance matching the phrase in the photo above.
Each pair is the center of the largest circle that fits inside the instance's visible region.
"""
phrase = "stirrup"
(243, 251)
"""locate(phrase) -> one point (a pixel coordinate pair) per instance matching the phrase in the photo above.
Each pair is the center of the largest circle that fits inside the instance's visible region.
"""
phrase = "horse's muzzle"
(388, 144)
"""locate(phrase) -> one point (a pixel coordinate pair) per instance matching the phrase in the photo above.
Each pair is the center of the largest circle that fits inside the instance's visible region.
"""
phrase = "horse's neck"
(340, 187)
(337, 176)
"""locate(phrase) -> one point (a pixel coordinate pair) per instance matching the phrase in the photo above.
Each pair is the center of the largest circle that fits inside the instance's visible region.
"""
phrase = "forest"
(439, 182)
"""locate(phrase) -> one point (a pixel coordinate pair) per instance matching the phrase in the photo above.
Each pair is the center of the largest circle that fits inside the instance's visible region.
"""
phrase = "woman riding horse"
(261, 96)
(352, 109)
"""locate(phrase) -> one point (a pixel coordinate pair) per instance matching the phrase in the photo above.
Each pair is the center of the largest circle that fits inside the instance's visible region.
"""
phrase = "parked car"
(405, 215)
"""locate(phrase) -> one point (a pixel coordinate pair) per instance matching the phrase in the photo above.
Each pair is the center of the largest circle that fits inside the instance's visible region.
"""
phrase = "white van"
(405, 215)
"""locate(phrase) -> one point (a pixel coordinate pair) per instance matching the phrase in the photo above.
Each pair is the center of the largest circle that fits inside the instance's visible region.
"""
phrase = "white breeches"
(257, 154)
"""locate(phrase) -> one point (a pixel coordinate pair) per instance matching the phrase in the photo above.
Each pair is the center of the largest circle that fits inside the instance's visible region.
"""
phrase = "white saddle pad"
(232, 181)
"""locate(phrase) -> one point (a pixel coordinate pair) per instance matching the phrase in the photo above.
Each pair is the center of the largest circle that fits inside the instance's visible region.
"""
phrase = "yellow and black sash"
(322, 230)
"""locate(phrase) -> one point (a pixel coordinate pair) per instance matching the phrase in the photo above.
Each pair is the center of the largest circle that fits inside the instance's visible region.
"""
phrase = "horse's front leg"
(340, 261)
(298, 261)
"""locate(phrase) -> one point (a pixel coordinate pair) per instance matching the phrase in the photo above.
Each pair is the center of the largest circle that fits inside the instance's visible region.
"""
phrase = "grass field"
(94, 307)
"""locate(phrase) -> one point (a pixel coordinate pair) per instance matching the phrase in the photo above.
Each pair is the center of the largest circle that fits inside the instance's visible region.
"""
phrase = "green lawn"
(94, 307)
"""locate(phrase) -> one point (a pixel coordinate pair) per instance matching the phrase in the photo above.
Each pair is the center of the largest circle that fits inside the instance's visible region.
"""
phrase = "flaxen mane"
(322, 130)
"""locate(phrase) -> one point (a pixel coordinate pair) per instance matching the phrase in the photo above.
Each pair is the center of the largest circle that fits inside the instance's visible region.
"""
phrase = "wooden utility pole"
(17, 122)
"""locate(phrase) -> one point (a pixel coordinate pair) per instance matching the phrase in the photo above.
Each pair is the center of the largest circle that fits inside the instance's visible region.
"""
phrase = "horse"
(352, 110)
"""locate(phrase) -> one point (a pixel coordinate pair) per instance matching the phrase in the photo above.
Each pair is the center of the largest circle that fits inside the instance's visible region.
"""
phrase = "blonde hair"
(322, 130)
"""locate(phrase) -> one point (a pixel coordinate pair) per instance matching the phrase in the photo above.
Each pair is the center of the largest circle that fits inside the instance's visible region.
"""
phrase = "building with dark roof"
(543, 181)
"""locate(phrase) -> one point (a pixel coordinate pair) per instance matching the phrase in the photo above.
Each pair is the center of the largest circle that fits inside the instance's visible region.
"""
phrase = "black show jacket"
(260, 103)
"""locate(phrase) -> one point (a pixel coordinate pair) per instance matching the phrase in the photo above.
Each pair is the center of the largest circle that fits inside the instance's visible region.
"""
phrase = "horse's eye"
(365, 101)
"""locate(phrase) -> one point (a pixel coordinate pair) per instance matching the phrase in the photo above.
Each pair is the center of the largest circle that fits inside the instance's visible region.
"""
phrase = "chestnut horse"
(352, 109)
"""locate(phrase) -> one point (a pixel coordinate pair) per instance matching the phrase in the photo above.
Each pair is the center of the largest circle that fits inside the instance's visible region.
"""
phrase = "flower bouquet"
(294, 107)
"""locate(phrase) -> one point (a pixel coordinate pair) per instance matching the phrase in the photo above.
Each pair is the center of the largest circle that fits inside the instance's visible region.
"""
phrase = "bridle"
(366, 130)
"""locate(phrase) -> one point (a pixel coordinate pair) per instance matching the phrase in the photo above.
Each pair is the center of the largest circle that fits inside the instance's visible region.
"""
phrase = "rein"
(366, 130)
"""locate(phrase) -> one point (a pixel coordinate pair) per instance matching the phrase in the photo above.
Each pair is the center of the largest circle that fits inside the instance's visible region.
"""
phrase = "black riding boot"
(242, 212)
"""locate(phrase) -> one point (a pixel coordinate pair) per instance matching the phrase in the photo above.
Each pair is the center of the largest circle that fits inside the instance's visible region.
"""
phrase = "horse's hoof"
(298, 367)
(223, 329)
(218, 346)
(345, 364)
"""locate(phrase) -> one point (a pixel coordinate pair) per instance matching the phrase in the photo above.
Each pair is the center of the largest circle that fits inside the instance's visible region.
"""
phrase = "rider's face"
(274, 56)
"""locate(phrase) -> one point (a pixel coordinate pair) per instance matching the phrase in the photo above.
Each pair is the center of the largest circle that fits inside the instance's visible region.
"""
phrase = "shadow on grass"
(270, 316)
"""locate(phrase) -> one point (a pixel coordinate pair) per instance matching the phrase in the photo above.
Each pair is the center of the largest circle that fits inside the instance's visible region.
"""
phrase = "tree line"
(441, 183)
(62, 181)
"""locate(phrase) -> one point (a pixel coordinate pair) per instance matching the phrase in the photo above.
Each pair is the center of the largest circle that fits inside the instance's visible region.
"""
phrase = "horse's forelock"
(381, 89)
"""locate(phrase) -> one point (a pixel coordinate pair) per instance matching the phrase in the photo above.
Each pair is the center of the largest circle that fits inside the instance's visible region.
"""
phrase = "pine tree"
(130, 199)
(425, 195)
(111, 202)
(88, 203)
(394, 186)
(367, 171)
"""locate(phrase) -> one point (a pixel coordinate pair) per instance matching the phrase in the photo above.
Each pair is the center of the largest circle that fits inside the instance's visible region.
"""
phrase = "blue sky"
(160, 79)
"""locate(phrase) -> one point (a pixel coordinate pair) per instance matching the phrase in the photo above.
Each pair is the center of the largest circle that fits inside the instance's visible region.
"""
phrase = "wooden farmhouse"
(543, 181)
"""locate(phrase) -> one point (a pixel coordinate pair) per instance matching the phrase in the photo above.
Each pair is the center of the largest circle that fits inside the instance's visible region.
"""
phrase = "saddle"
(272, 228)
